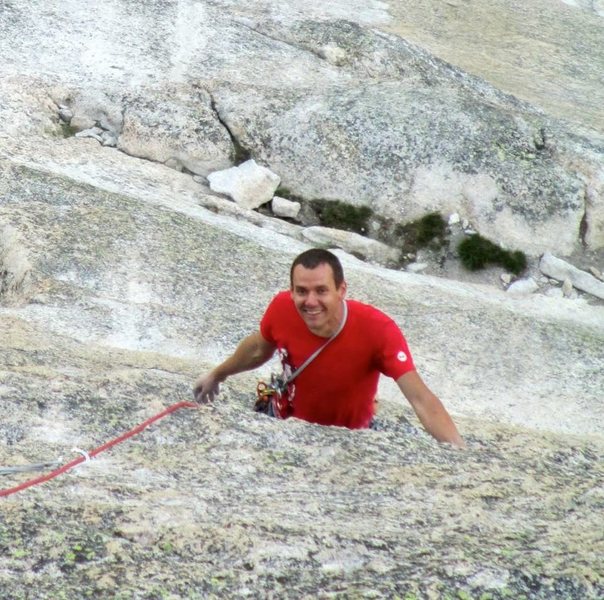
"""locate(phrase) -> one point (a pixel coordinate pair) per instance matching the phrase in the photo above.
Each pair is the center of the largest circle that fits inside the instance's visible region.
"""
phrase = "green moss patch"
(476, 252)
(67, 130)
(239, 154)
(286, 193)
(431, 229)
(334, 213)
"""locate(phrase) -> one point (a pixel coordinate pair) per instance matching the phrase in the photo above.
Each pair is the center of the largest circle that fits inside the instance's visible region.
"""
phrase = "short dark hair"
(311, 259)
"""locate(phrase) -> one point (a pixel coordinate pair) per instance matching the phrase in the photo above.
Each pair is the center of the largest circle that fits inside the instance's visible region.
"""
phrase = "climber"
(342, 346)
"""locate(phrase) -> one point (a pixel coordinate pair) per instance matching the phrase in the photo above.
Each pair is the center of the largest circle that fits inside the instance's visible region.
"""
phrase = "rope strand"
(97, 451)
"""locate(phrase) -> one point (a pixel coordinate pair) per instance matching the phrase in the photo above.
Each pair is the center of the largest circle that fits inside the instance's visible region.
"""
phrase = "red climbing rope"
(96, 451)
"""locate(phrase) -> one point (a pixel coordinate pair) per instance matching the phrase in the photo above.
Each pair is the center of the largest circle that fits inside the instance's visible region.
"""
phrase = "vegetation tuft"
(430, 230)
(334, 213)
(476, 252)
(67, 130)
(286, 193)
(239, 154)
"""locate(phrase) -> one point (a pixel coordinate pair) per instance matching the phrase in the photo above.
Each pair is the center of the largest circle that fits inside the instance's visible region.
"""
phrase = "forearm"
(429, 409)
(437, 421)
(252, 352)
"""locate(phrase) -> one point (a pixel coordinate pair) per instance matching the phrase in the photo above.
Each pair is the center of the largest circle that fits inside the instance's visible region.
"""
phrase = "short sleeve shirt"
(339, 386)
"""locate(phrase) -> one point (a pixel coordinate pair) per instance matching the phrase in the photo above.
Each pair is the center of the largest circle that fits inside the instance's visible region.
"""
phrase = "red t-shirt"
(339, 386)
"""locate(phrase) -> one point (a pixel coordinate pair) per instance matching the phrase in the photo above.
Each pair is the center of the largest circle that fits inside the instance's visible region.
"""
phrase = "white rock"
(81, 123)
(596, 273)
(506, 278)
(567, 289)
(65, 114)
(93, 132)
(282, 207)
(454, 218)
(523, 287)
(109, 139)
(249, 185)
(352, 243)
(333, 54)
(554, 292)
(416, 267)
(561, 270)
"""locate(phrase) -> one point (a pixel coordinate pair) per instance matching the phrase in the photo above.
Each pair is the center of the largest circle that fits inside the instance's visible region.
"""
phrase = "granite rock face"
(348, 112)
(122, 278)
(407, 148)
(130, 297)
(171, 124)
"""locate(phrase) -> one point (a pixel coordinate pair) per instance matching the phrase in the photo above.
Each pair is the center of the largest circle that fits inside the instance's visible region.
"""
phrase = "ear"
(343, 289)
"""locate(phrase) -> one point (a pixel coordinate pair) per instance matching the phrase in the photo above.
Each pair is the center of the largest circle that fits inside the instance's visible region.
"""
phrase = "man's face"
(317, 299)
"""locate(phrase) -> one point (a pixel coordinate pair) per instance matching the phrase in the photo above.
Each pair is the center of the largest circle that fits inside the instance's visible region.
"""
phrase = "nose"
(311, 299)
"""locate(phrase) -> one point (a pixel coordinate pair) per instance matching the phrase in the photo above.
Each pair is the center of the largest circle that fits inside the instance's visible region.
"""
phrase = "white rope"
(83, 453)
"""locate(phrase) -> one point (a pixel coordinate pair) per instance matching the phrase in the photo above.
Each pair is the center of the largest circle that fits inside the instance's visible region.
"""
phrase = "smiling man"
(339, 386)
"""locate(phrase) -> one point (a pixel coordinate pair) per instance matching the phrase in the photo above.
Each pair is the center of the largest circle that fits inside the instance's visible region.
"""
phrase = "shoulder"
(366, 313)
(282, 299)
(372, 323)
(278, 313)
(281, 303)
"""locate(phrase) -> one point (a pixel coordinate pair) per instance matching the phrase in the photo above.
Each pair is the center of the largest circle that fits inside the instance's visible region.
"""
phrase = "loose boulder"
(523, 287)
(565, 272)
(249, 185)
(282, 207)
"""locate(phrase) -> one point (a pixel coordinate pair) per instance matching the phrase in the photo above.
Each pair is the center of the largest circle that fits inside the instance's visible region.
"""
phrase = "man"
(339, 386)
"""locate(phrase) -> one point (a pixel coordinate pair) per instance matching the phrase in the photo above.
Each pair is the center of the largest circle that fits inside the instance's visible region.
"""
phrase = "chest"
(345, 355)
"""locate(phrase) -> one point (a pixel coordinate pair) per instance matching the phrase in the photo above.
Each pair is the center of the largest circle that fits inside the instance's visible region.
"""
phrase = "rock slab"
(249, 184)
(563, 271)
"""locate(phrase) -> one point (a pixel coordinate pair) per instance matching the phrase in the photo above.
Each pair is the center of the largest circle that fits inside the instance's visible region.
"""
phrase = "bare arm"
(251, 352)
(429, 409)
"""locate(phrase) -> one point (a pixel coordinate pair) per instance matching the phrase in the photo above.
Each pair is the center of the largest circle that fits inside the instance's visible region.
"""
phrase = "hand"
(206, 388)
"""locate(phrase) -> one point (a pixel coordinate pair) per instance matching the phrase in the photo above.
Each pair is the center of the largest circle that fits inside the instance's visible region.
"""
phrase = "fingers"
(198, 392)
(205, 391)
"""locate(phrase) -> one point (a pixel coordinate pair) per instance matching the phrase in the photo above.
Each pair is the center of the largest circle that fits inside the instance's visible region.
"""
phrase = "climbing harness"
(87, 456)
(273, 398)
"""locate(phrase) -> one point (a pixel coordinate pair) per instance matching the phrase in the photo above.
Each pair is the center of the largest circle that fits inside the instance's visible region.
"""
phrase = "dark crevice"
(540, 140)
(583, 228)
(240, 153)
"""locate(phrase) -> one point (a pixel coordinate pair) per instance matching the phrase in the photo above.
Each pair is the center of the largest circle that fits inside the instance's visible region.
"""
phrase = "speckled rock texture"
(122, 278)
(336, 108)
(129, 300)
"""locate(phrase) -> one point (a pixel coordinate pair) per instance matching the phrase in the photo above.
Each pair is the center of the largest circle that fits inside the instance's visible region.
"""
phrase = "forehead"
(321, 275)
